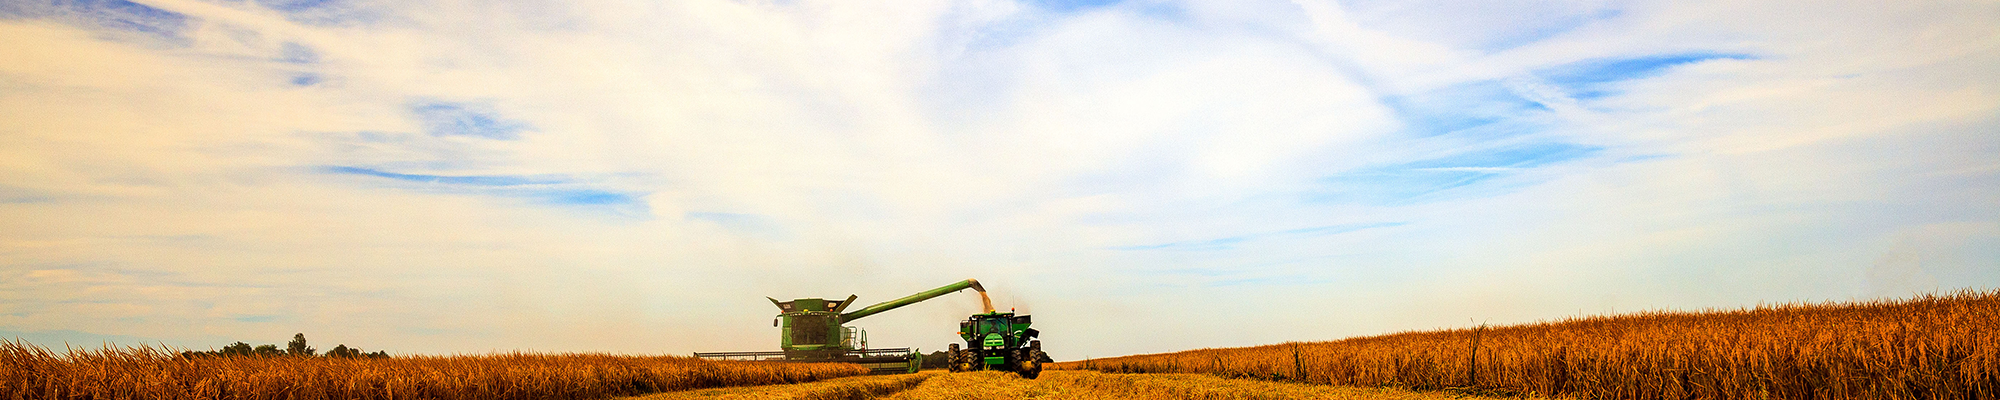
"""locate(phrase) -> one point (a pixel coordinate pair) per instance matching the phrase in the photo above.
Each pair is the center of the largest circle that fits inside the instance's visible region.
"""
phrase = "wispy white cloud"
(454, 176)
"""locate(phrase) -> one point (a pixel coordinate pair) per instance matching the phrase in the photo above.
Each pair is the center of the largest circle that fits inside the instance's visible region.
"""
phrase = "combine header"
(815, 331)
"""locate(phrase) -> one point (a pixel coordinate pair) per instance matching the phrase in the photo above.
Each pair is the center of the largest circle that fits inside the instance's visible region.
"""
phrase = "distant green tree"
(343, 351)
(937, 359)
(236, 349)
(297, 347)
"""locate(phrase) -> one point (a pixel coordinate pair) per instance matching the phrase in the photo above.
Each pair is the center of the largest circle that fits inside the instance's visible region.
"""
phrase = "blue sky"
(444, 177)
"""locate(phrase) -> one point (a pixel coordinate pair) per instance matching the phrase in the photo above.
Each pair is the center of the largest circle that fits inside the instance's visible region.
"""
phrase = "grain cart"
(814, 330)
(999, 341)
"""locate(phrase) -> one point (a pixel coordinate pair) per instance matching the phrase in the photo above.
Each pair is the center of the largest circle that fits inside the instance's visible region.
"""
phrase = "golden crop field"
(1928, 347)
(31, 372)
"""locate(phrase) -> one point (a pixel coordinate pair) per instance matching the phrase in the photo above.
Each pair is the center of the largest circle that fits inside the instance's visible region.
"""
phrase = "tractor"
(998, 341)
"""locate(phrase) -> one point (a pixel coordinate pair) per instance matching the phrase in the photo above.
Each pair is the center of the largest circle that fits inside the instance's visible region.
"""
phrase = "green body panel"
(996, 360)
(813, 331)
(985, 327)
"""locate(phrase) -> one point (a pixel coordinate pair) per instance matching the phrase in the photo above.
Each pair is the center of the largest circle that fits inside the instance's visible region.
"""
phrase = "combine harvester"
(815, 331)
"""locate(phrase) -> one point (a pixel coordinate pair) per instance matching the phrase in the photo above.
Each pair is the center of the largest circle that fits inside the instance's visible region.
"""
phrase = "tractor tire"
(952, 355)
(962, 361)
(1028, 363)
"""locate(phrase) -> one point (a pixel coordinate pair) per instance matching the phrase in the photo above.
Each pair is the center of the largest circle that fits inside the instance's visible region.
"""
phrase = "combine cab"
(998, 341)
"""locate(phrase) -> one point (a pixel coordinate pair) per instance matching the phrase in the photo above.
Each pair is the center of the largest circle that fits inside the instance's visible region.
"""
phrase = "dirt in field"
(1052, 385)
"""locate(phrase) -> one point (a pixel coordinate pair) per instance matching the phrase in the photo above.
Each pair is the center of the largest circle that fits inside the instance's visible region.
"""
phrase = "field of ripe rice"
(1928, 347)
(31, 372)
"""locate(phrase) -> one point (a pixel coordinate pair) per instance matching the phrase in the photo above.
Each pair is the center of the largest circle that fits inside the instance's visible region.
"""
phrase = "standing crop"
(31, 372)
(1928, 347)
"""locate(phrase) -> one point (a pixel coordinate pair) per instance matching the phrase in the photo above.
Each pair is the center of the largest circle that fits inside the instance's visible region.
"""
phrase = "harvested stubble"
(1927, 347)
(1091, 385)
(850, 388)
(1094, 385)
(32, 372)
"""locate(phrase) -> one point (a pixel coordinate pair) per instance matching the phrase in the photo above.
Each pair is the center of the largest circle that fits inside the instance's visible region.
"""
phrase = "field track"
(1928, 347)
(1053, 385)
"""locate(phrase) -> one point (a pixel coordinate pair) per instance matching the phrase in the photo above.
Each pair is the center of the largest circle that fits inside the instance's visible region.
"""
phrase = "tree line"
(296, 348)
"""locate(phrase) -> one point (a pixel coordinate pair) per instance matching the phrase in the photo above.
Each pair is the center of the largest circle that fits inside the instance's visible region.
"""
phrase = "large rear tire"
(1028, 363)
(955, 359)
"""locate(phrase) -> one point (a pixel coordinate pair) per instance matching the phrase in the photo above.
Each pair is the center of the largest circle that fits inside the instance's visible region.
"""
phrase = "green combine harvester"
(815, 330)
(998, 341)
